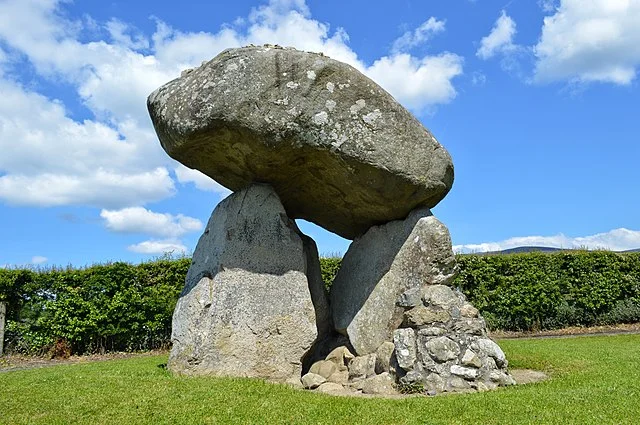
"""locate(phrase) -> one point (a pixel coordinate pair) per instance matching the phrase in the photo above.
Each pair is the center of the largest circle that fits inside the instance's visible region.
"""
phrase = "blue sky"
(537, 102)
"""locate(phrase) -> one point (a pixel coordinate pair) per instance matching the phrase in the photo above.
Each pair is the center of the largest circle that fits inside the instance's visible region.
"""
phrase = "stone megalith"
(299, 135)
(338, 149)
(247, 308)
(387, 262)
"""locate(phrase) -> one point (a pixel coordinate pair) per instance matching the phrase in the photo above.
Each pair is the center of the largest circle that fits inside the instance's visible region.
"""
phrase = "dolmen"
(297, 135)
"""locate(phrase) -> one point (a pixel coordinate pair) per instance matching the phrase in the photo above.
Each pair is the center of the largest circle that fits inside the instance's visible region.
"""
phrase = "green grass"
(594, 380)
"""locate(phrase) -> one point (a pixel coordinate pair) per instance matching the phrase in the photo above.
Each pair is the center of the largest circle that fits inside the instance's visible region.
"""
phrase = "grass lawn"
(594, 380)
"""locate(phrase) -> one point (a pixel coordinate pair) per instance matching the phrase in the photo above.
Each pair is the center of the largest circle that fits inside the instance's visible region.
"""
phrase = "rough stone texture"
(331, 388)
(379, 384)
(362, 367)
(421, 315)
(247, 308)
(337, 148)
(451, 355)
(324, 368)
(341, 356)
(442, 349)
(385, 358)
(340, 377)
(381, 266)
(312, 380)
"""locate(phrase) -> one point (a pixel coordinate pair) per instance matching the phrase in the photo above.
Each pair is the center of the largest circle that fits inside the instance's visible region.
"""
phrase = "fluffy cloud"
(420, 35)
(113, 159)
(428, 78)
(500, 39)
(614, 240)
(38, 259)
(159, 247)
(594, 41)
(142, 220)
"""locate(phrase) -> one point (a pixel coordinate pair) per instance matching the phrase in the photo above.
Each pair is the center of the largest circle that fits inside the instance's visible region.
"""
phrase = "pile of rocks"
(443, 344)
(299, 135)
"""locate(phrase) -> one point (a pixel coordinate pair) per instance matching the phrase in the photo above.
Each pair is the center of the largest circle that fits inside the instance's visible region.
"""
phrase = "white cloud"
(159, 247)
(413, 80)
(419, 36)
(114, 160)
(614, 240)
(38, 259)
(594, 41)
(99, 189)
(500, 39)
(142, 220)
(200, 180)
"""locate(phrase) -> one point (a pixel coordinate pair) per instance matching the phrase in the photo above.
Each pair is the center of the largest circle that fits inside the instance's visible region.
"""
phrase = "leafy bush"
(329, 267)
(121, 306)
(101, 308)
(552, 290)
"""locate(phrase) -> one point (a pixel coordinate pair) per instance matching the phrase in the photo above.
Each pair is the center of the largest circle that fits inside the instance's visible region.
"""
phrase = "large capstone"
(384, 272)
(247, 308)
(338, 149)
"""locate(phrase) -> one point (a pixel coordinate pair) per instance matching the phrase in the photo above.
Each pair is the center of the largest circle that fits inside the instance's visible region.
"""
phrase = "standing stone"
(247, 308)
(337, 148)
(379, 268)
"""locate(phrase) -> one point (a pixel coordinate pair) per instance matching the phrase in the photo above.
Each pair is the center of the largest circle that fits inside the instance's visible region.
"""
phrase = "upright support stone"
(247, 306)
(369, 291)
(3, 313)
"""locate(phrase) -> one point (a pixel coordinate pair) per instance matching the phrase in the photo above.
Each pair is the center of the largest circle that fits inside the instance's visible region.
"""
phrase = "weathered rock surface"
(449, 355)
(312, 380)
(386, 266)
(337, 148)
(247, 308)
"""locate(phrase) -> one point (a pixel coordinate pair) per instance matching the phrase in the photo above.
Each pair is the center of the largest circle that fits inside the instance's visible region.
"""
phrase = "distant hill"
(523, 249)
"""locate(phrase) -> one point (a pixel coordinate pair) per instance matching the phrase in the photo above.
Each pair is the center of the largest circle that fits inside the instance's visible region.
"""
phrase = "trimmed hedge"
(111, 307)
(120, 306)
(535, 290)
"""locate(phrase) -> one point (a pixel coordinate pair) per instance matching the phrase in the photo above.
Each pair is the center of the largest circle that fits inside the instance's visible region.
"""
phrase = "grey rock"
(362, 367)
(410, 298)
(385, 357)
(246, 308)
(337, 148)
(379, 384)
(440, 295)
(312, 380)
(404, 341)
(340, 377)
(412, 377)
(467, 310)
(501, 378)
(331, 388)
(471, 327)
(421, 315)
(457, 383)
(465, 372)
(431, 331)
(324, 368)
(434, 383)
(341, 356)
(442, 349)
(471, 359)
(489, 348)
(380, 266)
